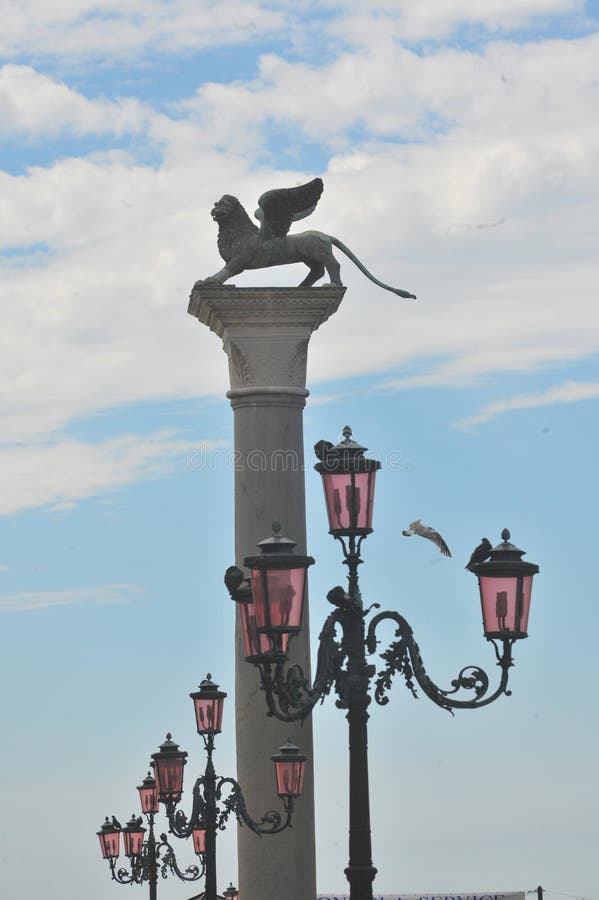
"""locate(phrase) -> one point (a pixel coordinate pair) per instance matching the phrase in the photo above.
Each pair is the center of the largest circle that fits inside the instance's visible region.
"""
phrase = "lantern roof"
(505, 560)
(277, 543)
(347, 455)
(169, 746)
(108, 828)
(277, 552)
(208, 689)
(148, 783)
(134, 824)
(289, 751)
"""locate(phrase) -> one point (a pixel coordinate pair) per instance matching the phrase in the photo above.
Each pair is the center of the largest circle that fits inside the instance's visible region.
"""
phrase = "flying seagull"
(426, 531)
(480, 553)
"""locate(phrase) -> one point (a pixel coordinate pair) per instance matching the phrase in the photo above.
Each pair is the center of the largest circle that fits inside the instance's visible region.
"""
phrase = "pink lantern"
(208, 703)
(133, 837)
(148, 795)
(168, 766)
(289, 770)
(505, 583)
(278, 580)
(109, 840)
(348, 479)
(199, 839)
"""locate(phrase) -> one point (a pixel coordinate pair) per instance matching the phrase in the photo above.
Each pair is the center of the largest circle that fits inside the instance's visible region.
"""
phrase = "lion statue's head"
(228, 207)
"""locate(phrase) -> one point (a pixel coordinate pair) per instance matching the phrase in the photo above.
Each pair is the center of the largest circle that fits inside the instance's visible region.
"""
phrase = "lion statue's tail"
(341, 246)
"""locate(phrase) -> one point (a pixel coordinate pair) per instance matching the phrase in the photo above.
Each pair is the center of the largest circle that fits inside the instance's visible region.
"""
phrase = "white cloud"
(4, 568)
(26, 601)
(437, 19)
(84, 29)
(60, 473)
(569, 392)
(37, 105)
(99, 318)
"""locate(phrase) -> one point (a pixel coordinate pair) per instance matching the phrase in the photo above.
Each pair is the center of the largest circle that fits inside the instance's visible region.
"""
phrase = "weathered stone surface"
(265, 333)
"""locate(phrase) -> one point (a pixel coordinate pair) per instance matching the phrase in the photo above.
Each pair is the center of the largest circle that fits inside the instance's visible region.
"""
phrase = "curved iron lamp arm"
(403, 657)
(137, 874)
(166, 859)
(272, 822)
(178, 823)
(289, 695)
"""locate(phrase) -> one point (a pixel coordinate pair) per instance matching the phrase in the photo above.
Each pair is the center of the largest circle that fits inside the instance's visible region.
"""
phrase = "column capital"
(265, 330)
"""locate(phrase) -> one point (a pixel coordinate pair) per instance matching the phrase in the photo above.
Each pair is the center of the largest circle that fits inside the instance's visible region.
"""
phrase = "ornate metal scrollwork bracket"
(166, 859)
(289, 695)
(403, 657)
(271, 822)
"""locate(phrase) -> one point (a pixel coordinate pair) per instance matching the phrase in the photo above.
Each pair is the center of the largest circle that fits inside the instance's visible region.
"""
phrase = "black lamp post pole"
(360, 872)
(152, 860)
(210, 818)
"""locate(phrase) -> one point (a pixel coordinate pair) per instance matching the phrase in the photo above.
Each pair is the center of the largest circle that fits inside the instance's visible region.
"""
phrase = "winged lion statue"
(244, 245)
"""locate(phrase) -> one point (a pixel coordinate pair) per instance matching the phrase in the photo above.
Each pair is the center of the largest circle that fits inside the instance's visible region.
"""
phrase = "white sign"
(493, 895)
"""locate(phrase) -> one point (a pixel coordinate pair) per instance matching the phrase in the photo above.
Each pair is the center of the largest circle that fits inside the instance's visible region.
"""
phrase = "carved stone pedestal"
(265, 334)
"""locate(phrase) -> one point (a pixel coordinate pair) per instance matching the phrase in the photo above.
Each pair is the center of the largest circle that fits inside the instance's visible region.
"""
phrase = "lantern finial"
(505, 535)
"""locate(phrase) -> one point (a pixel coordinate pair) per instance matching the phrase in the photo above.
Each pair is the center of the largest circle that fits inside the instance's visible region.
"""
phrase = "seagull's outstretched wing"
(278, 208)
(426, 531)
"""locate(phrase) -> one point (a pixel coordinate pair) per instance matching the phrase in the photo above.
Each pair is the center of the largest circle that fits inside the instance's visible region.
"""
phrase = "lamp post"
(146, 857)
(214, 797)
(270, 604)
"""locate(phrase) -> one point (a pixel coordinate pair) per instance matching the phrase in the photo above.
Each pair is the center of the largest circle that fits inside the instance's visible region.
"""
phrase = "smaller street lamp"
(146, 857)
(231, 893)
(210, 807)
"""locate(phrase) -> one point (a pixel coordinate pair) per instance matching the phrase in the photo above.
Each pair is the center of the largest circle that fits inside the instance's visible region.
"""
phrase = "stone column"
(265, 333)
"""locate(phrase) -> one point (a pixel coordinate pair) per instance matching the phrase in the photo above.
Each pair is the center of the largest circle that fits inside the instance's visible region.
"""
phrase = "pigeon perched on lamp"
(480, 553)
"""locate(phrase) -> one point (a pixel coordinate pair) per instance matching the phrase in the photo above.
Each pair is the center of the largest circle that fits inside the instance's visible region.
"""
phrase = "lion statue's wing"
(278, 208)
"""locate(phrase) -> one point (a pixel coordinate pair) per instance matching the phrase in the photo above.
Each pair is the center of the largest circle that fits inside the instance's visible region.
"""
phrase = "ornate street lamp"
(146, 857)
(505, 588)
(210, 807)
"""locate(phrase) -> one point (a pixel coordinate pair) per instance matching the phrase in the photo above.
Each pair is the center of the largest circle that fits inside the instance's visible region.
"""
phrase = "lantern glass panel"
(169, 778)
(256, 643)
(199, 840)
(278, 598)
(505, 604)
(109, 844)
(209, 714)
(133, 841)
(148, 797)
(350, 500)
(290, 777)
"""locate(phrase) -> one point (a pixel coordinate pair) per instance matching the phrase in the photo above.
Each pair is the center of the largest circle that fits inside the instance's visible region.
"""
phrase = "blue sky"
(458, 145)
